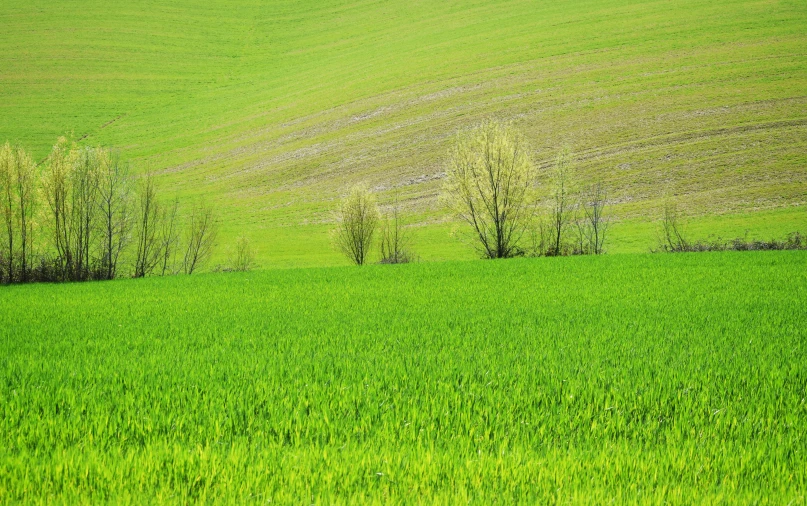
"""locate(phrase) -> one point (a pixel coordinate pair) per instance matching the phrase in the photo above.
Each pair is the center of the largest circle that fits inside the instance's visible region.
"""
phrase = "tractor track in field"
(108, 123)
(101, 127)
(657, 141)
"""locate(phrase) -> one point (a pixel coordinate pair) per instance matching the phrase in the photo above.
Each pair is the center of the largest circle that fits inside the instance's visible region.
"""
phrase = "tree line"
(82, 215)
(491, 186)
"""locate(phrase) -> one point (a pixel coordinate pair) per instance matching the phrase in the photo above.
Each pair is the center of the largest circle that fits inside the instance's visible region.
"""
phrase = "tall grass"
(654, 378)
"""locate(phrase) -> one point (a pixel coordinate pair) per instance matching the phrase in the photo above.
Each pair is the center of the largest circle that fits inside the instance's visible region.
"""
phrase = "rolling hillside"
(274, 109)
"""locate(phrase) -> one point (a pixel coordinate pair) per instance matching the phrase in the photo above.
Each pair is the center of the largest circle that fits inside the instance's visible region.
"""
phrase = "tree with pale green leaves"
(490, 182)
(356, 222)
(18, 197)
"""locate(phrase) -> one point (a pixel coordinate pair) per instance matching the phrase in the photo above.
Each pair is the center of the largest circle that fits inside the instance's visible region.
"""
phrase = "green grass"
(274, 109)
(628, 378)
(636, 378)
(311, 246)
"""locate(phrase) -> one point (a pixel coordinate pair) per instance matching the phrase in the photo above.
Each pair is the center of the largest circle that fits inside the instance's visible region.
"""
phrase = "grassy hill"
(274, 109)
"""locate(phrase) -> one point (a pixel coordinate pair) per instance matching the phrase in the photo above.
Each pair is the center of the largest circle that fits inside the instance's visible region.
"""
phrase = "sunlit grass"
(274, 109)
(639, 378)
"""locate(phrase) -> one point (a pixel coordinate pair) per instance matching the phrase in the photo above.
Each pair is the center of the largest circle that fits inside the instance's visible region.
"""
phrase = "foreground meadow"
(639, 378)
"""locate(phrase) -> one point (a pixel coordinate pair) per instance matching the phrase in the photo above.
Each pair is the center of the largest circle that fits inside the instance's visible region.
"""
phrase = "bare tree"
(562, 210)
(489, 185)
(357, 219)
(244, 255)
(147, 227)
(673, 236)
(580, 223)
(85, 177)
(115, 196)
(169, 238)
(595, 224)
(539, 234)
(394, 240)
(201, 238)
(26, 182)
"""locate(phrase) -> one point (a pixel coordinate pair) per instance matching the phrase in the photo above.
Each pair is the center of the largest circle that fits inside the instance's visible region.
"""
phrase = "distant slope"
(274, 109)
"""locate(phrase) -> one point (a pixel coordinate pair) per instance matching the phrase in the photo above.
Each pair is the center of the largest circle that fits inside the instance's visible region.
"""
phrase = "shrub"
(244, 257)
(673, 232)
(357, 219)
(792, 241)
(394, 239)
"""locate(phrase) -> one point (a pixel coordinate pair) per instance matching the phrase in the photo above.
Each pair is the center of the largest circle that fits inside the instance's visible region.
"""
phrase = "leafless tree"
(84, 196)
(581, 246)
(201, 237)
(26, 182)
(673, 234)
(244, 255)
(594, 223)
(489, 185)
(539, 235)
(562, 210)
(147, 228)
(357, 219)
(169, 238)
(115, 201)
(394, 239)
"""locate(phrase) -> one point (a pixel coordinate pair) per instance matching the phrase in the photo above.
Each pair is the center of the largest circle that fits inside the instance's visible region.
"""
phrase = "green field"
(624, 378)
(672, 379)
(274, 109)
